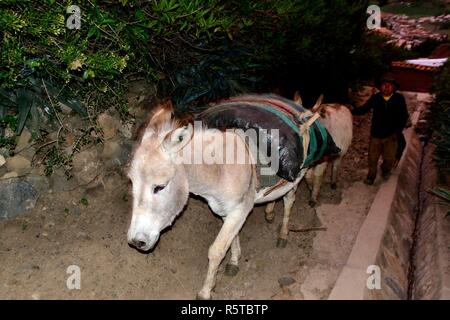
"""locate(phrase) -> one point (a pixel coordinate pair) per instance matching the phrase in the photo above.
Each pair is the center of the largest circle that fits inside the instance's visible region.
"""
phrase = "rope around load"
(304, 131)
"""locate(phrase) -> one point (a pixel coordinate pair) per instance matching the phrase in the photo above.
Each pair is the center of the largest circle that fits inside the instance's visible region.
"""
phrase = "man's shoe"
(369, 181)
(386, 175)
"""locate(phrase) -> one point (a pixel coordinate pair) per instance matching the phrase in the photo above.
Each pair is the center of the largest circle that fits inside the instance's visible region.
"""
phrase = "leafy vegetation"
(84, 201)
(195, 51)
(236, 45)
(440, 110)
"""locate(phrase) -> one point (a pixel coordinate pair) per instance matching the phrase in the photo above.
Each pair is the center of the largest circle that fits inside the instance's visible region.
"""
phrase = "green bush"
(194, 50)
(115, 40)
(440, 110)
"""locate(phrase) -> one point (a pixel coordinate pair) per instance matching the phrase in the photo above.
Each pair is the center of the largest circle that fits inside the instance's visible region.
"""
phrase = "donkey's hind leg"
(319, 172)
(232, 267)
(270, 213)
(288, 200)
(334, 172)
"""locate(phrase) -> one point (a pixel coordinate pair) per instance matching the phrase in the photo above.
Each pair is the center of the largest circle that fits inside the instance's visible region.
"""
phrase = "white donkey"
(161, 183)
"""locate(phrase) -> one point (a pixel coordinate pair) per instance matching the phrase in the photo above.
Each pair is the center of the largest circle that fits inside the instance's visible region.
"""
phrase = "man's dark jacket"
(389, 117)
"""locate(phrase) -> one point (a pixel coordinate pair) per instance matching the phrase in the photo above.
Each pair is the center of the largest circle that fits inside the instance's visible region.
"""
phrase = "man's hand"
(350, 106)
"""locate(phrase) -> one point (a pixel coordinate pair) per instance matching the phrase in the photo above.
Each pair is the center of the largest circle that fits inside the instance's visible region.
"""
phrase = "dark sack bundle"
(268, 112)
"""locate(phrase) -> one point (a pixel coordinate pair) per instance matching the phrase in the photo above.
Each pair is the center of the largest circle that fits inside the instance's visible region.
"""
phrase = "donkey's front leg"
(288, 200)
(231, 226)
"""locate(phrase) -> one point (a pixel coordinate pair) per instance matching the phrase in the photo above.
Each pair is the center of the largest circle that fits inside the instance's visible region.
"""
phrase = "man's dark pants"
(387, 148)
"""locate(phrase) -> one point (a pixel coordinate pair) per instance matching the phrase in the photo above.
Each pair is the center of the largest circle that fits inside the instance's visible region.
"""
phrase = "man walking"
(389, 118)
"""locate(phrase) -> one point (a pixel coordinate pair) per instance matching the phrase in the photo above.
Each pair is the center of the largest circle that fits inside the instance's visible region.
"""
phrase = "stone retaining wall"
(432, 257)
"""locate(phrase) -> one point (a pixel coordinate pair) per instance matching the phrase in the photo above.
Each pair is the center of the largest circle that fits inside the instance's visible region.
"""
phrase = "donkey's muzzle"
(143, 241)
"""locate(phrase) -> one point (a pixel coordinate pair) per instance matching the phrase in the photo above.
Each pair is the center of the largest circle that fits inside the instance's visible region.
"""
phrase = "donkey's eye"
(158, 188)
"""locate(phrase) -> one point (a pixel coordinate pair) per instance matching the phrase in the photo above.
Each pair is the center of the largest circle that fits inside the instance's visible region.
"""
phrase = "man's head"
(387, 86)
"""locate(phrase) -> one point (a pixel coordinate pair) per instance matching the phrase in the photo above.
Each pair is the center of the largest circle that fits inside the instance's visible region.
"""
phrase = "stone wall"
(432, 258)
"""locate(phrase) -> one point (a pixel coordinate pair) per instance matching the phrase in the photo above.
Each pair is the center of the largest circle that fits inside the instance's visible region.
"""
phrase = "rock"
(116, 154)
(23, 141)
(9, 133)
(16, 197)
(94, 191)
(69, 139)
(76, 124)
(40, 183)
(8, 175)
(19, 164)
(139, 92)
(65, 108)
(38, 171)
(2, 160)
(109, 125)
(111, 149)
(286, 281)
(86, 166)
(127, 130)
(112, 180)
(28, 153)
(60, 183)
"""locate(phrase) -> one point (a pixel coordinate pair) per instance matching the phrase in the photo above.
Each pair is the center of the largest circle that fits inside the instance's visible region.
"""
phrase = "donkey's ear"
(297, 98)
(163, 113)
(178, 138)
(316, 107)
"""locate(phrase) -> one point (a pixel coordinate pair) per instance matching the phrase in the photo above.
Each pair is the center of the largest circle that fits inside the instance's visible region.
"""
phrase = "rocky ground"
(83, 221)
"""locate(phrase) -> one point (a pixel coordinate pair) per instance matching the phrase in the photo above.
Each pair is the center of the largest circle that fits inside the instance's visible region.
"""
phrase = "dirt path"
(37, 248)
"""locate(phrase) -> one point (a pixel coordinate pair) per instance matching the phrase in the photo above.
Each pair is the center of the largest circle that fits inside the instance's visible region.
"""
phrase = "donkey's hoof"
(281, 243)
(312, 203)
(201, 296)
(269, 218)
(334, 186)
(231, 270)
